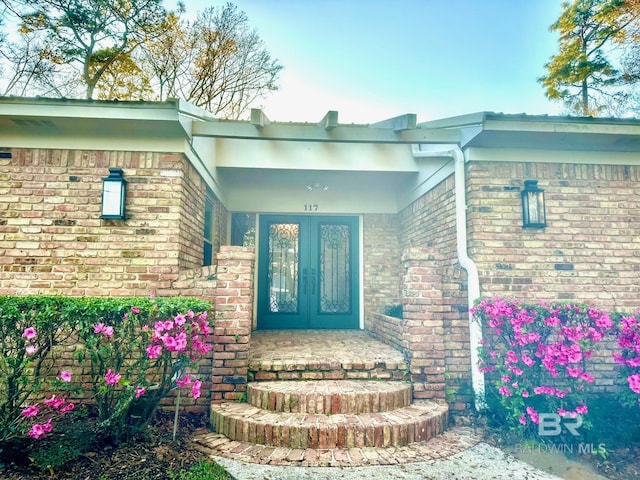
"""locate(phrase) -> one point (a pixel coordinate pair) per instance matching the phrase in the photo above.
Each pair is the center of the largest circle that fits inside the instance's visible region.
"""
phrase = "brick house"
(315, 226)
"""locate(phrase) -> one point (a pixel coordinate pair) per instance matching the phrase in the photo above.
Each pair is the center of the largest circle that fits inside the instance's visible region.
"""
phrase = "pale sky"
(376, 59)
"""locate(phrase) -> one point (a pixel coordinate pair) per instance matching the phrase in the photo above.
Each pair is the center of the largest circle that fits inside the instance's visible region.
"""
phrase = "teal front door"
(308, 272)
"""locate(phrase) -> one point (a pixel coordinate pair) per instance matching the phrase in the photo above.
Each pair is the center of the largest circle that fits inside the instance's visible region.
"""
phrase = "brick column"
(233, 321)
(423, 322)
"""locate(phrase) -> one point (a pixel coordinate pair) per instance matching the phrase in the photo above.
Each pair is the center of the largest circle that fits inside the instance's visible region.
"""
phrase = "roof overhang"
(48, 117)
(495, 130)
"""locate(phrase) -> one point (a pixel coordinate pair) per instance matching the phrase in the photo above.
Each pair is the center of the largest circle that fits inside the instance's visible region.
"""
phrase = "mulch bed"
(150, 456)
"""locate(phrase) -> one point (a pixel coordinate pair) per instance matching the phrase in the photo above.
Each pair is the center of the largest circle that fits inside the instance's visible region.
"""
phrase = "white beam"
(258, 118)
(407, 121)
(330, 120)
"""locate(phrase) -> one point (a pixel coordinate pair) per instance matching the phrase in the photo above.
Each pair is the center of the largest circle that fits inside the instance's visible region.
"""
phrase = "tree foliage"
(585, 73)
(91, 35)
(216, 62)
(135, 50)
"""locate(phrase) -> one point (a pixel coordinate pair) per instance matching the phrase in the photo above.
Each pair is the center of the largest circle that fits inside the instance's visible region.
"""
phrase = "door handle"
(304, 281)
(313, 281)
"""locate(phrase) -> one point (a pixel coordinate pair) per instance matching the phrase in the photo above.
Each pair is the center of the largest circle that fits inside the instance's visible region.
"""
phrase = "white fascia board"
(478, 154)
(42, 108)
(617, 127)
(54, 140)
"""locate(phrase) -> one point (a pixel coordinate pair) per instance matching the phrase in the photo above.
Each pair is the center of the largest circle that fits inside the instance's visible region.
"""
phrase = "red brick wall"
(382, 268)
(590, 249)
(52, 240)
(429, 222)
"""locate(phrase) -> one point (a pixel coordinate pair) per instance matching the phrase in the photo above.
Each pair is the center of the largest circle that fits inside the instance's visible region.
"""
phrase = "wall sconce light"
(114, 193)
(533, 210)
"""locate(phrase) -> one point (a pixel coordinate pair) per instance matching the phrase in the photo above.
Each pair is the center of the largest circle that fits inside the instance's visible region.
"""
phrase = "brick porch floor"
(322, 354)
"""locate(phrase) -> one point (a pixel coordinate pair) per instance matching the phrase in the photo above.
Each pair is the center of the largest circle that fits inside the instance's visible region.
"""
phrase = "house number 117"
(310, 207)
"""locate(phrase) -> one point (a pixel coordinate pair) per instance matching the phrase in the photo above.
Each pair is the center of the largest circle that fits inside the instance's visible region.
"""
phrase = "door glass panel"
(335, 274)
(284, 246)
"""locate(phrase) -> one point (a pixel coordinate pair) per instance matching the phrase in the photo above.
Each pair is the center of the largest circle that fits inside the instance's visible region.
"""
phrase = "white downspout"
(473, 281)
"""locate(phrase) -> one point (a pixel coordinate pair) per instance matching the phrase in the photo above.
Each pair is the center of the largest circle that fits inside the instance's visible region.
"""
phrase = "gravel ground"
(481, 462)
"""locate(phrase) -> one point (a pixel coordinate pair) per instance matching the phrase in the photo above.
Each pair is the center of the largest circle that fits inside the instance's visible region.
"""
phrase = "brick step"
(329, 396)
(244, 422)
(449, 443)
(310, 369)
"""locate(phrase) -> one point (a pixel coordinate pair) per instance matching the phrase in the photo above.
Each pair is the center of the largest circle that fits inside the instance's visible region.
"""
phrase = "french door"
(308, 272)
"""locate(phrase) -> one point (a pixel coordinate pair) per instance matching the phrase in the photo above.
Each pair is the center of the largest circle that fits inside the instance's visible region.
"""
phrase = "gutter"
(473, 281)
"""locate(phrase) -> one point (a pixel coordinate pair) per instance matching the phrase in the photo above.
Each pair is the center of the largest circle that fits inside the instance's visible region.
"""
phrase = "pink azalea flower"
(54, 402)
(67, 408)
(140, 391)
(46, 426)
(170, 343)
(31, 349)
(582, 409)
(195, 389)
(111, 378)
(588, 378)
(154, 351)
(30, 411)
(36, 431)
(107, 331)
(183, 382)
(30, 333)
(65, 376)
(180, 320)
(533, 415)
(522, 420)
(634, 382)
(504, 391)
(525, 394)
(135, 310)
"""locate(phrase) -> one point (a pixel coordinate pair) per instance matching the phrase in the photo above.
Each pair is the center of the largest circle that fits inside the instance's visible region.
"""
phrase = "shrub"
(113, 336)
(538, 359)
(30, 327)
(393, 310)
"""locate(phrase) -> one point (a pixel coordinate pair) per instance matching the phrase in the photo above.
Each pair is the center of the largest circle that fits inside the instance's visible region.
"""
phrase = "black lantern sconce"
(114, 193)
(533, 210)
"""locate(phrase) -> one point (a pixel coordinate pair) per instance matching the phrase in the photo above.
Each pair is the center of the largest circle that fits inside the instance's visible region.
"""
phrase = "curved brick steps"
(329, 397)
(244, 422)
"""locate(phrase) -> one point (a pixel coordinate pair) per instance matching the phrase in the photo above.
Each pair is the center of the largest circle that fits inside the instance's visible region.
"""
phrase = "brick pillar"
(423, 322)
(233, 321)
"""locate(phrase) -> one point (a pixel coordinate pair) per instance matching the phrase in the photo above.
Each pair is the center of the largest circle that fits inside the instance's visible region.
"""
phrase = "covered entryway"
(308, 272)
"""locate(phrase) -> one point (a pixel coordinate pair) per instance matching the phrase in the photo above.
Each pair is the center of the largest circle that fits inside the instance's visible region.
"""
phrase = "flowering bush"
(30, 327)
(113, 339)
(629, 343)
(539, 356)
(136, 359)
